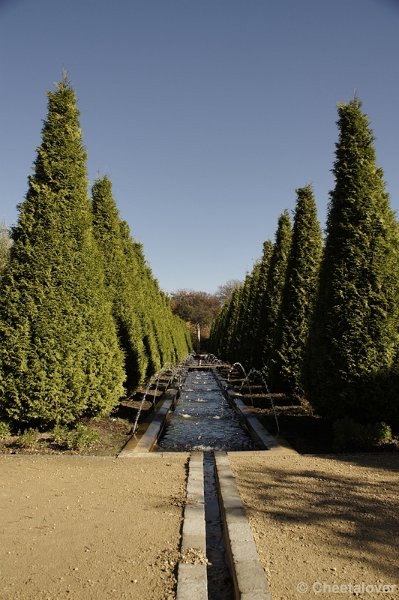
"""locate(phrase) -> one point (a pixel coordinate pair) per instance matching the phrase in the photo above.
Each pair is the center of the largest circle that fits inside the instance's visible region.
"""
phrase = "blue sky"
(205, 114)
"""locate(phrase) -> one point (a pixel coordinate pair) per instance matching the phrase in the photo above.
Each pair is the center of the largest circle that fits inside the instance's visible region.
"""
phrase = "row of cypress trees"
(81, 315)
(323, 320)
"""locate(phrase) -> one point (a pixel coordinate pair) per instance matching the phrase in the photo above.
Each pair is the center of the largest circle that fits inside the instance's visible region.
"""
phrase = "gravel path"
(321, 522)
(83, 528)
(93, 528)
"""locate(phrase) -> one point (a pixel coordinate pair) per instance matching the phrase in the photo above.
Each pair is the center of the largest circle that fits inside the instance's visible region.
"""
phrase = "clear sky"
(205, 114)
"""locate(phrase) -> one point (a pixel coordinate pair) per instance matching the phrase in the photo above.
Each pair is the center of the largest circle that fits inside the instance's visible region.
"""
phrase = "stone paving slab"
(150, 437)
(250, 581)
(192, 581)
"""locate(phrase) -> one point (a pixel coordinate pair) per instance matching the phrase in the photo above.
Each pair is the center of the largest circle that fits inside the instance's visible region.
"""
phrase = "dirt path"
(324, 521)
(83, 528)
(95, 528)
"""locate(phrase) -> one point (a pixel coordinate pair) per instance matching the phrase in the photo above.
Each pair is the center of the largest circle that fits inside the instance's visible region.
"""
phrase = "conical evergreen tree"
(354, 339)
(228, 335)
(121, 280)
(5, 244)
(275, 284)
(254, 354)
(59, 353)
(245, 335)
(299, 295)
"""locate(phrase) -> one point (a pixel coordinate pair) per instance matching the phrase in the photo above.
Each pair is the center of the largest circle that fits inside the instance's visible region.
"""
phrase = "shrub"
(60, 436)
(28, 439)
(5, 431)
(82, 438)
(350, 435)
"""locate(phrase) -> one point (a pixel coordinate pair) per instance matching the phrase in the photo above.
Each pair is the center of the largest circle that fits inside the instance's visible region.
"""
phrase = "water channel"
(204, 420)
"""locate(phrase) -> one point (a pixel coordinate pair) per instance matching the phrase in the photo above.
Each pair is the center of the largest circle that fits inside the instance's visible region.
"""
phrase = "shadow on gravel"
(352, 506)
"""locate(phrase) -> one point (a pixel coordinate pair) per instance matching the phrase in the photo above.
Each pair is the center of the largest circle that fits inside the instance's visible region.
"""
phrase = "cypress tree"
(5, 244)
(59, 353)
(254, 355)
(246, 316)
(354, 339)
(121, 280)
(219, 329)
(274, 289)
(231, 351)
(299, 295)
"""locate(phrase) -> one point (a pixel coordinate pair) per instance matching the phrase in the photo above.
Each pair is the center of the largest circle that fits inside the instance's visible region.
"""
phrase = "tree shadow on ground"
(352, 508)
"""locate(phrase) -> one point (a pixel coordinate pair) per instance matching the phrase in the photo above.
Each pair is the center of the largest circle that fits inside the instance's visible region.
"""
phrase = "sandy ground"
(95, 528)
(321, 522)
(90, 527)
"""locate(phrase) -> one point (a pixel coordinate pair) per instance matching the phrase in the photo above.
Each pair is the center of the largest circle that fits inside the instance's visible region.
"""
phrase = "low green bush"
(60, 436)
(5, 430)
(82, 438)
(350, 435)
(28, 439)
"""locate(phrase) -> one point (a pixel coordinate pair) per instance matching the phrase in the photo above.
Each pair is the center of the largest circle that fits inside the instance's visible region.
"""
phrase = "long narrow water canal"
(203, 419)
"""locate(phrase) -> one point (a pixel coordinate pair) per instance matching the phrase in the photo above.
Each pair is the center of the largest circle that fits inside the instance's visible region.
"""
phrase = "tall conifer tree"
(354, 339)
(59, 353)
(274, 289)
(5, 244)
(121, 280)
(299, 295)
(254, 354)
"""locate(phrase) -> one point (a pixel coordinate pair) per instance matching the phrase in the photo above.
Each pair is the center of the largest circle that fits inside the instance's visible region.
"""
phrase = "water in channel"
(203, 419)
(220, 583)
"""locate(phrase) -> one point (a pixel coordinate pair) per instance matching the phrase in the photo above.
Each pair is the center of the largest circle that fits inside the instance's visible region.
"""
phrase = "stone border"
(150, 437)
(192, 582)
(249, 578)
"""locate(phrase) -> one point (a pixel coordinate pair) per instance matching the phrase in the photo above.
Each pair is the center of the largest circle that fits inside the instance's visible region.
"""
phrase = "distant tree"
(299, 295)
(236, 330)
(59, 353)
(225, 291)
(196, 308)
(351, 367)
(275, 284)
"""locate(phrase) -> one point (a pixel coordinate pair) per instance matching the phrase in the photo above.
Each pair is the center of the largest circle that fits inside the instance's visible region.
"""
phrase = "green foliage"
(121, 282)
(196, 308)
(28, 439)
(350, 435)
(5, 245)
(59, 353)
(5, 430)
(299, 295)
(236, 331)
(60, 435)
(274, 289)
(353, 345)
(82, 437)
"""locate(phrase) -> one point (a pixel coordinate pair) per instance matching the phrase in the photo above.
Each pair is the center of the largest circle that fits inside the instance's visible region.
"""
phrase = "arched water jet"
(177, 373)
(232, 369)
(259, 374)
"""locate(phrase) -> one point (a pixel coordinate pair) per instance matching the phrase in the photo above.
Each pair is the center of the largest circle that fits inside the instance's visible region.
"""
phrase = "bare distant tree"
(225, 291)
